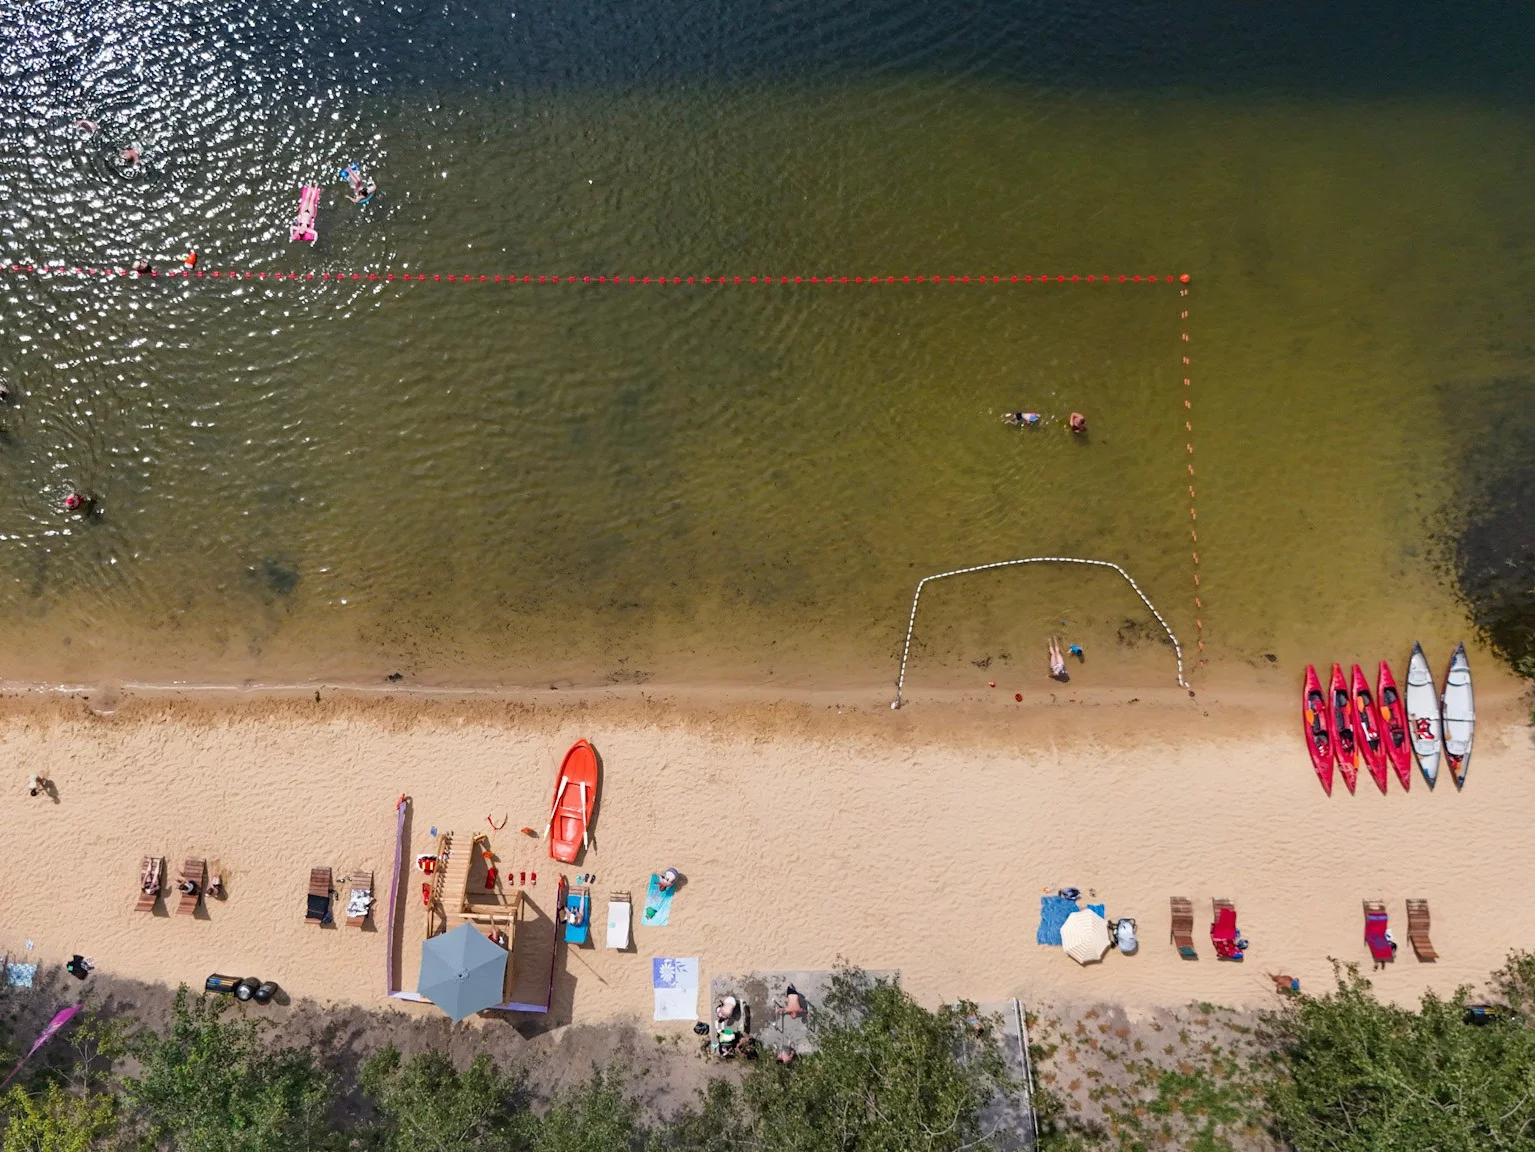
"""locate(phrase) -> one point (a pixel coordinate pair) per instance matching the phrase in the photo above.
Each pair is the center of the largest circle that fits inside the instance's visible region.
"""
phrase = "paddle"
(586, 816)
(558, 792)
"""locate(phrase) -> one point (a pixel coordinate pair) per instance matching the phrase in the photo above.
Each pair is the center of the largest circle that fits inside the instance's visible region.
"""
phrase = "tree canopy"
(1355, 1074)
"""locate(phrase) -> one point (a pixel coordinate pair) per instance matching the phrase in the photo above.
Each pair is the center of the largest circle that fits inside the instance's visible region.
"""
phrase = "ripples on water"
(340, 477)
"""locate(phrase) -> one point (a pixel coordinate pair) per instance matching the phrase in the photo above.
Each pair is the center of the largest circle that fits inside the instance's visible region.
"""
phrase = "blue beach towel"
(578, 900)
(658, 904)
(1053, 911)
(20, 975)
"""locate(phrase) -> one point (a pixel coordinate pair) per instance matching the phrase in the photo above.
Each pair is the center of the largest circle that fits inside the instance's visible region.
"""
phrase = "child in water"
(1021, 419)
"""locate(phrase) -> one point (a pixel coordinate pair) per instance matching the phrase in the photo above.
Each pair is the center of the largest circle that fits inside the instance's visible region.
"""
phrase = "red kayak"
(575, 800)
(1372, 745)
(1343, 722)
(1393, 724)
(1313, 708)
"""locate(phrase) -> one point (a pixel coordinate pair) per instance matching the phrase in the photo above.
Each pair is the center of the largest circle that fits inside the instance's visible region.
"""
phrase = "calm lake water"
(494, 484)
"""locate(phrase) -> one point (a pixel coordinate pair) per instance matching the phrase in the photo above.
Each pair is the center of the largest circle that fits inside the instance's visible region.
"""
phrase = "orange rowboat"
(575, 802)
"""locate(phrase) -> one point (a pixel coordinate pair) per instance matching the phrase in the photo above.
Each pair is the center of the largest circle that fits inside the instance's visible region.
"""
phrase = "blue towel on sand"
(1053, 911)
(658, 904)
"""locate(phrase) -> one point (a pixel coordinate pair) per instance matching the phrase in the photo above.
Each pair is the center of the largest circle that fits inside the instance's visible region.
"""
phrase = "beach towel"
(578, 901)
(1223, 934)
(1375, 936)
(658, 904)
(20, 975)
(675, 982)
(359, 903)
(318, 908)
(1053, 911)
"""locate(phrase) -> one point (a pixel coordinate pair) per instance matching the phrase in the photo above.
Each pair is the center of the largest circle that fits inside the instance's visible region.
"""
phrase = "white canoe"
(1423, 720)
(1459, 716)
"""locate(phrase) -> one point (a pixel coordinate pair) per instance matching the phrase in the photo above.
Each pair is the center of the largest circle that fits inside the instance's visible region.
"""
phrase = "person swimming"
(1078, 423)
(129, 156)
(88, 127)
(362, 187)
(1021, 419)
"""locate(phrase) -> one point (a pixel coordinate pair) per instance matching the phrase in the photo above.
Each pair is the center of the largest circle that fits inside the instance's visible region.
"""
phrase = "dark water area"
(1495, 548)
(343, 480)
(1411, 49)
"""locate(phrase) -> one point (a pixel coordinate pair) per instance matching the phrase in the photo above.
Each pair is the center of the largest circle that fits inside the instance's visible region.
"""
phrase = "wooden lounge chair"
(1417, 931)
(359, 905)
(317, 907)
(151, 880)
(1224, 933)
(1183, 927)
(1375, 921)
(197, 872)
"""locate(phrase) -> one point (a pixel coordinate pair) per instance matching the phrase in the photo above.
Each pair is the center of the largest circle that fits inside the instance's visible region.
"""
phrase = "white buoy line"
(911, 624)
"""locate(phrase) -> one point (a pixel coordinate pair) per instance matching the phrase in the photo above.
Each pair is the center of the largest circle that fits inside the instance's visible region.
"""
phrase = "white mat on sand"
(676, 987)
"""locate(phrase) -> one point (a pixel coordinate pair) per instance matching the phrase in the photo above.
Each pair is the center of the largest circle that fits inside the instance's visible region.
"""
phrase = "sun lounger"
(1375, 933)
(317, 908)
(620, 918)
(1183, 927)
(197, 872)
(1417, 931)
(360, 903)
(1223, 931)
(151, 880)
(578, 915)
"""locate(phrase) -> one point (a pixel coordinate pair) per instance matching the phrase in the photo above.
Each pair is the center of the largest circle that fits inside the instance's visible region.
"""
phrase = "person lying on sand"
(1057, 661)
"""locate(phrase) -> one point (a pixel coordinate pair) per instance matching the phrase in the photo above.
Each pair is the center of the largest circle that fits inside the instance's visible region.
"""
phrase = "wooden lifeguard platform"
(459, 893)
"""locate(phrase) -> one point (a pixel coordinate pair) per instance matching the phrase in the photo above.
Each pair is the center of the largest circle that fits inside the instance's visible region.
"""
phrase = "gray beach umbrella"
(462, 972)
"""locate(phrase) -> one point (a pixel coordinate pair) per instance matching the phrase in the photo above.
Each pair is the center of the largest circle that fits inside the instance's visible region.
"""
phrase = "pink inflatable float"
(308, 208)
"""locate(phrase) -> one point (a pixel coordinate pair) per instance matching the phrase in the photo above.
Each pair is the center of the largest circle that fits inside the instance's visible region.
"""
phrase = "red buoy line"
(1188, 428)
(528, 278)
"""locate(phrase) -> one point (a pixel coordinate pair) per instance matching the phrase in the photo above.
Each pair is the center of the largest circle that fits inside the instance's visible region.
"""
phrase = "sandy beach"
(808, 830)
